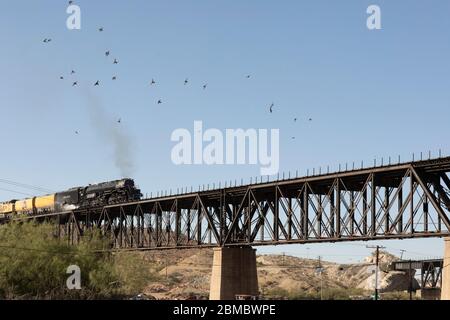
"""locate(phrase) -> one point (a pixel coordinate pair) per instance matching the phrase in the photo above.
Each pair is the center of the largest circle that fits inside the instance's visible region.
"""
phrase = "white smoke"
(69, 207)
(113, 133)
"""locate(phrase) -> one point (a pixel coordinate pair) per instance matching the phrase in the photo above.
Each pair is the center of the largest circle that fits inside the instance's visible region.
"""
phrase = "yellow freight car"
(6, 207)
(25, 205)
(45, 203)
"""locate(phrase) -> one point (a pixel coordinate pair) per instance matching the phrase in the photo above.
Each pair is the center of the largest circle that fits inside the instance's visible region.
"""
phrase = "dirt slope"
(185, 274)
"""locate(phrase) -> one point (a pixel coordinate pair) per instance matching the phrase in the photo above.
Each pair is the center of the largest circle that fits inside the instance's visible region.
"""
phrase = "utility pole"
(321, 279)
(377, 262)
(410, 288)
(320, 270)
(410, 280)
(167, 266)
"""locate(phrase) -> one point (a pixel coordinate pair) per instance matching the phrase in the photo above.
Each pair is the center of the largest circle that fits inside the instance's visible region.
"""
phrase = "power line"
(327, 265)
(402, 252)
(26, 186)
(18, 192)
(377, 266)
(389, 248)
(34, 249)
(48, 251)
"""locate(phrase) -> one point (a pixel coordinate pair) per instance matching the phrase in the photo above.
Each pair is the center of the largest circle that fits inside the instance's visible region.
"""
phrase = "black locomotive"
(98, 195)
(90, 197)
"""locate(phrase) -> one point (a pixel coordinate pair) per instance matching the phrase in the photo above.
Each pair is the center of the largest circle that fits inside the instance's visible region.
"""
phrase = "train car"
(92, 196)
(25, 206)
(44, 204)
(111, 192)
(67, 200)
(7, 208)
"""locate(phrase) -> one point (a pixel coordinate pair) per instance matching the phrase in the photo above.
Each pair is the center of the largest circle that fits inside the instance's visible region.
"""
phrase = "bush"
(33, 265)
(327, 294)
(342, 293)
(175, 278)
(396, 295)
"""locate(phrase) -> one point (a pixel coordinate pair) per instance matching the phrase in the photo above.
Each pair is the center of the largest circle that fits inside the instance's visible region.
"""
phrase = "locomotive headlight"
(120, 184)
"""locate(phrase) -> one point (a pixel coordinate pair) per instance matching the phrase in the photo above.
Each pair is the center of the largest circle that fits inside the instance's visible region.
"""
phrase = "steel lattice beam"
(430, 271)
(391, 202)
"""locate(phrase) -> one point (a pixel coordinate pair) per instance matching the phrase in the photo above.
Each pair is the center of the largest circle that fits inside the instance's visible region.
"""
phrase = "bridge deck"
(396, 201)
(430, 271)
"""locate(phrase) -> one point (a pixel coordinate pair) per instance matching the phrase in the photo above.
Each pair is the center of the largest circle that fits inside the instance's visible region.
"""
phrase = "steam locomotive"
(92, 196)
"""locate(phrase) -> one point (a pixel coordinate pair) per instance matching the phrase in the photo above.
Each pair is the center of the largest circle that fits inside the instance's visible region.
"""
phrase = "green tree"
(33, 265)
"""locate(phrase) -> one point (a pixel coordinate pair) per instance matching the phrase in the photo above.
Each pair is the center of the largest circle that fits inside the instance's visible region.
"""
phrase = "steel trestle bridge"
(408, 200)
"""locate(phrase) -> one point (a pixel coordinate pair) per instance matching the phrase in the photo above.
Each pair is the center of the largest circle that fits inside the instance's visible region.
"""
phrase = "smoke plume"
(112, 133)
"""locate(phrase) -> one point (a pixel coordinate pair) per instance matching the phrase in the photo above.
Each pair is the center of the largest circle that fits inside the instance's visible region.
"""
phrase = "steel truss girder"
(430, 271)
(403, 201)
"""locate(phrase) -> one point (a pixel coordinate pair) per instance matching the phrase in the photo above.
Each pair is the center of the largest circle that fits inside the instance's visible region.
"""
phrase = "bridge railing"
(396, 202)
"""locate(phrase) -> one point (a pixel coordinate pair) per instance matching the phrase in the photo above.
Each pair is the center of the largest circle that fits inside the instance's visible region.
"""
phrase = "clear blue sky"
(370, 93)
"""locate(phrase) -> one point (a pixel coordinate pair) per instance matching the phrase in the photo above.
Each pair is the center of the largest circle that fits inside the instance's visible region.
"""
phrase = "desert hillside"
(185, 274)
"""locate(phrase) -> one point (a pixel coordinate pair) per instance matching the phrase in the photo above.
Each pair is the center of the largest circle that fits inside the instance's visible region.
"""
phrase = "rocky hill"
(185, 274)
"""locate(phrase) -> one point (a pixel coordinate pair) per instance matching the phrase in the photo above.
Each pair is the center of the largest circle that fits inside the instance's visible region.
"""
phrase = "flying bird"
(310, 119)
(47, 40)
(159, 101)
(73, 72)
(107, 53)
(70, 2)
(186, 81)
(97, 83)
(295, 119)
(76, 132)
(100, 29)
(114, 77)
(248, 77)
(115, 61)
(271, 108)
(120, 120)
(75, 84)
(204, 86)
(153, 82)
(293, 138)
(61, 78)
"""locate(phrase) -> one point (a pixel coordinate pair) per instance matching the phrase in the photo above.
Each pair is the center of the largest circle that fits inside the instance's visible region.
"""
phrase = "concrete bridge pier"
(233, 273)
(445, 290)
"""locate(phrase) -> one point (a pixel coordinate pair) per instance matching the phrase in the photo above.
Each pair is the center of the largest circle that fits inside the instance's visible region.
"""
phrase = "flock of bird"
(152, 82)
(96, 83)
